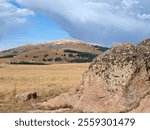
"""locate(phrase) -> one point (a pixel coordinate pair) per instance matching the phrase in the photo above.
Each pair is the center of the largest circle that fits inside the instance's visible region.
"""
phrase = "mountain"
(60, 51)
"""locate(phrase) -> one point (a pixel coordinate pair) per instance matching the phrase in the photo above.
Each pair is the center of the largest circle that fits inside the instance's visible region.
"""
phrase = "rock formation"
(117, 81)
(27, 96)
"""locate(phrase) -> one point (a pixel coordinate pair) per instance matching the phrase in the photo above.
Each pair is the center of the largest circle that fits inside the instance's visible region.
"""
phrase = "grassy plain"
(47, 80)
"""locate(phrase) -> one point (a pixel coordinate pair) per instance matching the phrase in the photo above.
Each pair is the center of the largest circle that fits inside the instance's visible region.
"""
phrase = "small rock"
(27, 96)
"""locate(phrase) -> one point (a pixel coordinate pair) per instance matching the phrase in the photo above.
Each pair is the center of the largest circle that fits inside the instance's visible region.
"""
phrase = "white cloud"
(11, 16)
(129, 3)
(144, 16)
(24, 12)
(97, 20)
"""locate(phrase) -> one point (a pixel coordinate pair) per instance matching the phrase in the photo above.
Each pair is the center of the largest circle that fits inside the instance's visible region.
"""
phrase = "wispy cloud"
(129, 3)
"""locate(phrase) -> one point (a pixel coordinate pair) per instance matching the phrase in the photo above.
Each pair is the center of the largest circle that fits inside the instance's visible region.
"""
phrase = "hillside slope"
(60, 51)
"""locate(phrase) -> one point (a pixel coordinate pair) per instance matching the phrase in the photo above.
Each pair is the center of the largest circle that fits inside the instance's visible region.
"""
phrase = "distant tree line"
(79, 60)
(8, 56)
(70, 51)
(57, 59)
(27, 63)
(80, 56)
(103, 49)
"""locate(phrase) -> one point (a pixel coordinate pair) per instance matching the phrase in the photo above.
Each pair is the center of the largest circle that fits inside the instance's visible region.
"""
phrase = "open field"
(47, 80)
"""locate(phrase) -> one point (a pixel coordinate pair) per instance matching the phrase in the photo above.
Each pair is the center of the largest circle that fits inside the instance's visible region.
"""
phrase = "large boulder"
(116, 81)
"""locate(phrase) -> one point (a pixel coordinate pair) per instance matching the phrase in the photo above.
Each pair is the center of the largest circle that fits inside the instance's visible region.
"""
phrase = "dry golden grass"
(48, 81)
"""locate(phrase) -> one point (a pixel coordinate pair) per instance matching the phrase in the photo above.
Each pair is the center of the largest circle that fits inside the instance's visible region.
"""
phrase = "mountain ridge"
(58, 51)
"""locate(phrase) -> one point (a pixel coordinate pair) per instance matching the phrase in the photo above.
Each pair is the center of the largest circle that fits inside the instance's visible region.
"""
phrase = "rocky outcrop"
(145, 43)
(27, 96)
(116, 81)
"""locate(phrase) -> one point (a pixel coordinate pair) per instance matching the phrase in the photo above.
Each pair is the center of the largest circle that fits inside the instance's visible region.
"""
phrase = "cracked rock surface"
(116, 81)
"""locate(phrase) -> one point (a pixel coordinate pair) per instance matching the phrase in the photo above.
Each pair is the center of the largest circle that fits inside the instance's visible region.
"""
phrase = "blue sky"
(98, 21)
(38, 29)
